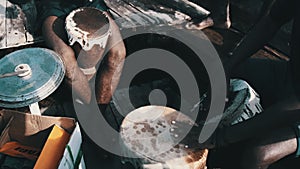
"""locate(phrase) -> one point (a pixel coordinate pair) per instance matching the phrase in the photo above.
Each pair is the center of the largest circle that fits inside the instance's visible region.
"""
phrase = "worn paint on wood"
(16, 27)
(158, 14)
(2, 23)
(128, 14)
(15, 21)
(185, 6)
(136, 13)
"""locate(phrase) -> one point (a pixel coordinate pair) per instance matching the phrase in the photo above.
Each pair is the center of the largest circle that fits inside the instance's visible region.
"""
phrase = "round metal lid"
(28, 76)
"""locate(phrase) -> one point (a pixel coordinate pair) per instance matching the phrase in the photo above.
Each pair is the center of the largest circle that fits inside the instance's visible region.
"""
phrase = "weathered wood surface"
(137, 13)
(15, 26)
(16, 22)
(2, 23)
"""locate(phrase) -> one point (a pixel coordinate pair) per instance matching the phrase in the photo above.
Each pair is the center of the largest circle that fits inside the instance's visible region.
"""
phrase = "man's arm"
(281, 12)
(262, 33)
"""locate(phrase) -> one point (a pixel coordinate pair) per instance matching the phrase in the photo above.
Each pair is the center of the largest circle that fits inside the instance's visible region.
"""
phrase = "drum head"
(46, 73)
(147, 132)
(88, 26)
(90, 20)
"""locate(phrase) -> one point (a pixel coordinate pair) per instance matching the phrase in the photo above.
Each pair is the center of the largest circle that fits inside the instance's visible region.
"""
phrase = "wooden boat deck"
(132, 14)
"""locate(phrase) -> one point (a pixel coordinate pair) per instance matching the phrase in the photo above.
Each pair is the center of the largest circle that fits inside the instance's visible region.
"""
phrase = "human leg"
(267, 150)
(53, 32)
(110, 71)
(220, 13)
(89, 48)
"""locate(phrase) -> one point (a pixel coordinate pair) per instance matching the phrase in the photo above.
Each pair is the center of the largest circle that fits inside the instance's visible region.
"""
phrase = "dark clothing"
(278, 80)
(61, 8)
(270, 79)
(282, 12)
(274, 80)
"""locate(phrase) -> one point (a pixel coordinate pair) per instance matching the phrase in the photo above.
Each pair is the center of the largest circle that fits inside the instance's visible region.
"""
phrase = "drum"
(29, 75)
(146, 132)
(88, 31)
(88, 27)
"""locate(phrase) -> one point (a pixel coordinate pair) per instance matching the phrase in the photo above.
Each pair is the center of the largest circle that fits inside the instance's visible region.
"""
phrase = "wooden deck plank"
(157, 14)
(15, 26)
(130, 17)
(185, 6)
(135, 13)
(127, 13)
(30, 23)
(2, 23)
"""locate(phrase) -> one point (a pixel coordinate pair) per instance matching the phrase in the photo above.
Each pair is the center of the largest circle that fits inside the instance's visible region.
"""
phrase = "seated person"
(81, 63)
(275, 131)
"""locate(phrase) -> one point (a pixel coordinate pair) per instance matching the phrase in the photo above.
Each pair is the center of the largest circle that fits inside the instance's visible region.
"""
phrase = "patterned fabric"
(61, 8)
(243, 104)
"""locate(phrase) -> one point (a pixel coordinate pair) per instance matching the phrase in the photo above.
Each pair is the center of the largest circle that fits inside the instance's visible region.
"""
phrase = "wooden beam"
(129, 16)
(136, 13)
(191, 9)
(15, 25)
(133, 14)
(2, 23)
(156, 14)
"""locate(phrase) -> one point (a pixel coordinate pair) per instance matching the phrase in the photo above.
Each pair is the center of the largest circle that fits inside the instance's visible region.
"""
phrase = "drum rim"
(107, 33)
(125, 122)
(43, 91)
